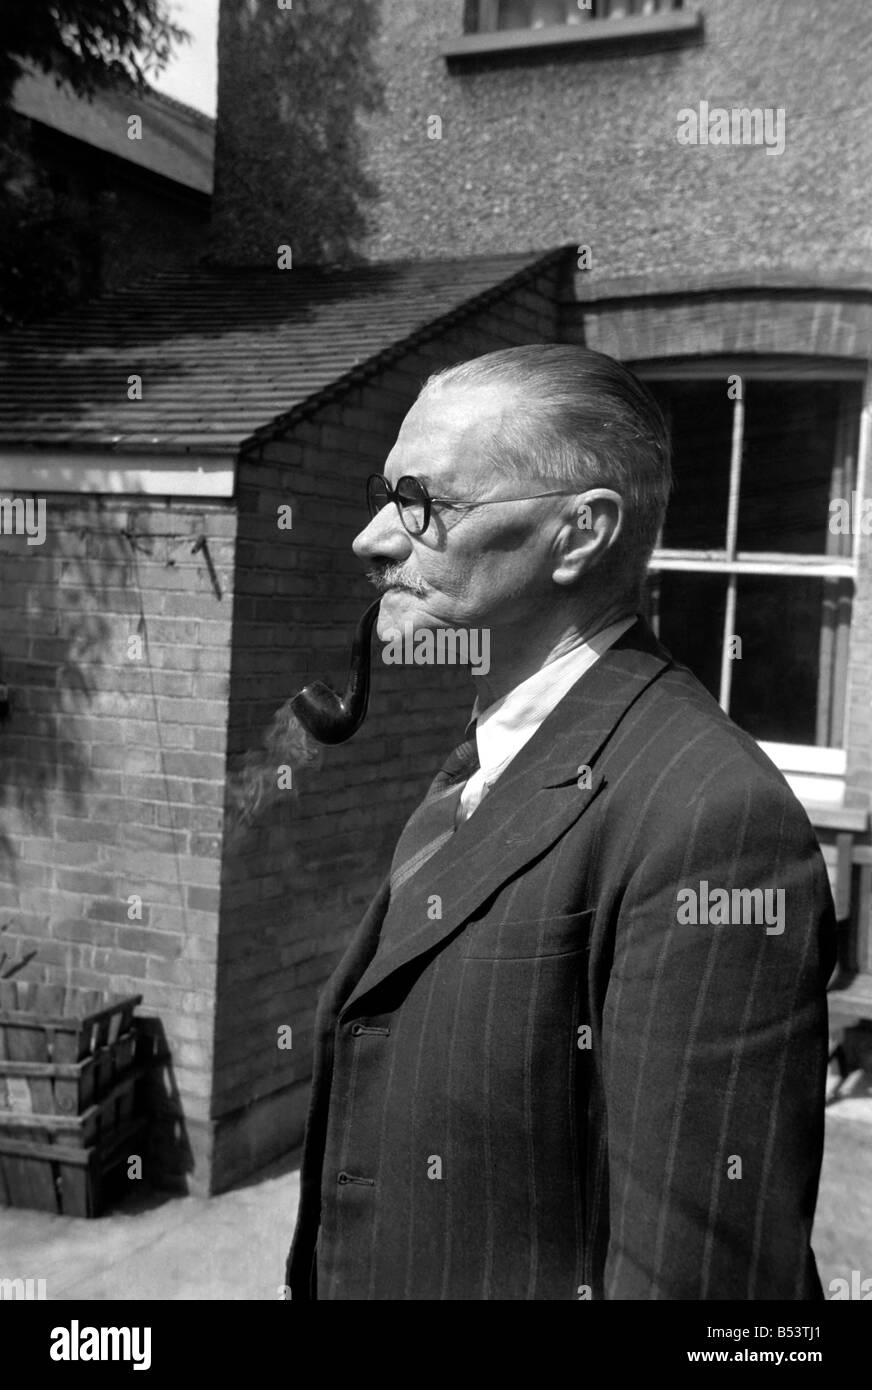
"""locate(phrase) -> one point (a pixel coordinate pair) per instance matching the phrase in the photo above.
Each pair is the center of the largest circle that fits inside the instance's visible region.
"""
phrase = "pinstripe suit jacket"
(557, 1088)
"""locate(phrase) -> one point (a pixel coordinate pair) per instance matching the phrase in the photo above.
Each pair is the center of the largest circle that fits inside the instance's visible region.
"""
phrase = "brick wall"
(111, 775)
(858, 721)
(858, 727)
(817, 324)
(298, 881)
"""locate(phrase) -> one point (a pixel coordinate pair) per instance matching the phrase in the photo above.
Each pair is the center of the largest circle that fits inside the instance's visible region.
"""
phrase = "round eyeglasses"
(414, 501)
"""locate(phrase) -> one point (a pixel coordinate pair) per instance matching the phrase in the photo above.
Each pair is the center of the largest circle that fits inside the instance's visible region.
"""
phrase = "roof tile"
(226, 354)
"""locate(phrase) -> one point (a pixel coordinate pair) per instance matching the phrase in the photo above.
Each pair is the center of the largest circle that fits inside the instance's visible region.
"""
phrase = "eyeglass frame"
(392, 495)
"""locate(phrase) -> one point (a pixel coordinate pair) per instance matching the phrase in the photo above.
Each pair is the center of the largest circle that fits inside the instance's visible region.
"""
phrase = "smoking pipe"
(328, 716)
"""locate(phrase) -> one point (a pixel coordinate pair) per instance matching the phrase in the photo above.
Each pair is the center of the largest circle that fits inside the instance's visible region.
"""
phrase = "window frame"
(816, 773)
(486, 13)
(667, 26)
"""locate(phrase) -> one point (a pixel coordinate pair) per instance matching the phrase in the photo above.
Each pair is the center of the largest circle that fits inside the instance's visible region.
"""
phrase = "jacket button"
(343, 1178)
(356, 1030)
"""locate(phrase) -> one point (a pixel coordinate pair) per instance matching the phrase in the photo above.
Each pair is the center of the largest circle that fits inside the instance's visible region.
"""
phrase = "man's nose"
(384, 536)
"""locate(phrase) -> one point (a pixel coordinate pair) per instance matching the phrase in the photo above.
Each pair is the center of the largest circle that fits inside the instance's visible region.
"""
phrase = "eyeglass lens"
(410, 497)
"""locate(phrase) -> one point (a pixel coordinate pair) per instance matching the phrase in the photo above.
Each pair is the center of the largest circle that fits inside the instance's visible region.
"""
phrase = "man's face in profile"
(477, 567)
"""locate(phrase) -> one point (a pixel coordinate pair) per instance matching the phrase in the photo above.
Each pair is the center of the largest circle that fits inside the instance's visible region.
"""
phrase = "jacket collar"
(539, 796)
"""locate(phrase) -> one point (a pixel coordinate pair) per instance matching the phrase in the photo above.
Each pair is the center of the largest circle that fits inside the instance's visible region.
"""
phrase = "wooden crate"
(52, 1023)
(67, 1181)
(98, 1125)
(65, 1088)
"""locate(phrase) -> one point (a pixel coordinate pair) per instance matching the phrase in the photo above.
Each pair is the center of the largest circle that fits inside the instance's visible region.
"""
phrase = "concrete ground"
(152, 1245)
(234, 1246)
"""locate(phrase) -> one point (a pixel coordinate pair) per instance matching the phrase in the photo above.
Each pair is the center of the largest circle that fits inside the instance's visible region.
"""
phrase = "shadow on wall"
(170, 1155)
(54, 636)
(7, 971)
(294, 85)
(72, 608)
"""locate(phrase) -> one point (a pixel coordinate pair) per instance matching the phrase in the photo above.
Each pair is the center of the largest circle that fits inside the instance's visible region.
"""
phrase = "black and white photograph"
(436, 669)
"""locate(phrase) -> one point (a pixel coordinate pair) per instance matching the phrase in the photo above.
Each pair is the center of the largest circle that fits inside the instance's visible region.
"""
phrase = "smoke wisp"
(263, 775)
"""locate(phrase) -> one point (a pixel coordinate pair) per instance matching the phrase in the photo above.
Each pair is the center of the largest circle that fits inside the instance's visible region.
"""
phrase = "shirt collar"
(503, 727)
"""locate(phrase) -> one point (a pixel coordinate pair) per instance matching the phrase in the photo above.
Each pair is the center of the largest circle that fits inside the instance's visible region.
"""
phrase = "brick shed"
(149, 635)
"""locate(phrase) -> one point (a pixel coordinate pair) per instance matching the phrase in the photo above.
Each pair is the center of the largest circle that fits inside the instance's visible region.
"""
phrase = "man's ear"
(595, 523)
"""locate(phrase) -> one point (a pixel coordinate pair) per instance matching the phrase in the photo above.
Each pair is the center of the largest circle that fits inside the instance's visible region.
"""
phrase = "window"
(518, 30)
(495, 15)
(750, 586)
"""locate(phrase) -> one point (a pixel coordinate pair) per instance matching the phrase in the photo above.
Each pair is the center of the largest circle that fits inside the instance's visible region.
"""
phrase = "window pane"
(775, 684)
(549, 12)
(791, 430)
(788, 684)
(536, 14)
(513, 14)
(700, 418)
(692, 621)
(792, 452)
(483, 16)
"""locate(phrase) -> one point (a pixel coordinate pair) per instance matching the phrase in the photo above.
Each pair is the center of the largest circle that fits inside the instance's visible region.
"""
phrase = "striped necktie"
(433, 823)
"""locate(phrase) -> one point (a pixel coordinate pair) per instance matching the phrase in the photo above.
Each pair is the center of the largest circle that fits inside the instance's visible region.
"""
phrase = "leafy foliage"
(85, 43)
(48, 247)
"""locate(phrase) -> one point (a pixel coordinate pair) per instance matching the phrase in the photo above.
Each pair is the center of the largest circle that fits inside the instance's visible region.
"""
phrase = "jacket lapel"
(532, 805)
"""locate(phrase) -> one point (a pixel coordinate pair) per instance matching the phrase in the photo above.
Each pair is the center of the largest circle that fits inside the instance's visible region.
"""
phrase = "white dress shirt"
(505, 726)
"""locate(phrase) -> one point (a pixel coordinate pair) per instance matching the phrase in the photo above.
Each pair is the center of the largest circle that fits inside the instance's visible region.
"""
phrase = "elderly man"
(577, 1046)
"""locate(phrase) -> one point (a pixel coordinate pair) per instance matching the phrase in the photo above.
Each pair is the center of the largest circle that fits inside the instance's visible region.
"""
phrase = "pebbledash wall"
(112, 764)
(540, 147)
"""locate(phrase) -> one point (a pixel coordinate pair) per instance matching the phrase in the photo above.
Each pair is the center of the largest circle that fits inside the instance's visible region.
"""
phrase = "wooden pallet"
(65, 1088)
(67, 1181)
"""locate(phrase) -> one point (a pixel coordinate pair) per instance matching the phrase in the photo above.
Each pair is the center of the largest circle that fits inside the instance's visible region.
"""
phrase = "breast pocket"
(528, 938)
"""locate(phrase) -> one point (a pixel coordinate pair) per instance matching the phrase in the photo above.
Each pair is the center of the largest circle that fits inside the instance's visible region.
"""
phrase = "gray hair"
(583, 418)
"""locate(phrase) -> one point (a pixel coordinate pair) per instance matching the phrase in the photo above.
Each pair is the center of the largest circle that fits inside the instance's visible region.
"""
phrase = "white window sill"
(592, 34)
(817, 777)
